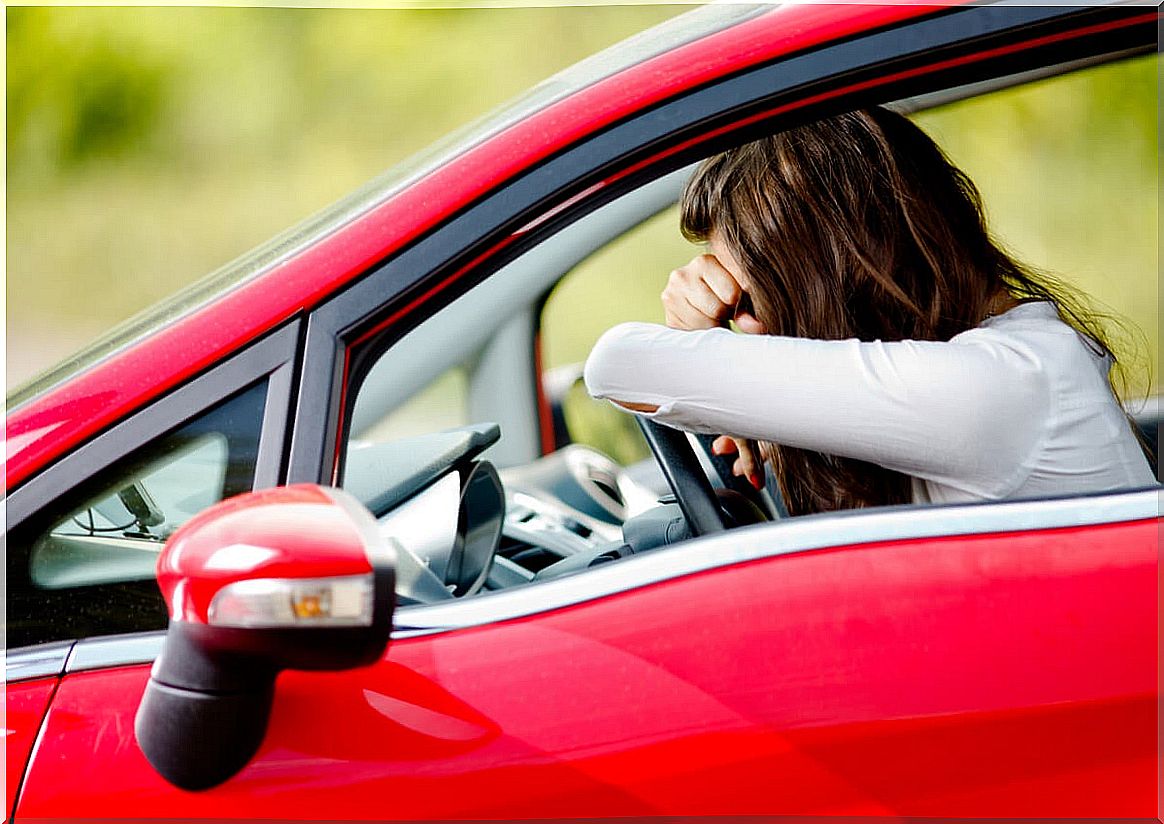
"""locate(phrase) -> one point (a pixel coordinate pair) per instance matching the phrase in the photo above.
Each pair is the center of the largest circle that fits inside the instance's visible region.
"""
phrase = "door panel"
(996, 675)
(24, 707)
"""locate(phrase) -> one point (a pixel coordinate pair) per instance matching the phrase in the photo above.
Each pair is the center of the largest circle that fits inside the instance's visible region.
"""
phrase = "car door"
(981, 661)
(915, 664)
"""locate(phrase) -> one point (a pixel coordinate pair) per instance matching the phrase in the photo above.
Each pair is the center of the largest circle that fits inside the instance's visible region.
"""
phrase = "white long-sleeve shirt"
(1016, 407)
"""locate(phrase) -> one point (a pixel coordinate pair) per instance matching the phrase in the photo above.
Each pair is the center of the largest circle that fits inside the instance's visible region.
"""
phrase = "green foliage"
(149, 146)
(79, 90)
(245, 86)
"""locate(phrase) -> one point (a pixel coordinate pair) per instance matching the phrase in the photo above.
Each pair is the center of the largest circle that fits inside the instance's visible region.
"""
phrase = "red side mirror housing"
(295, 577)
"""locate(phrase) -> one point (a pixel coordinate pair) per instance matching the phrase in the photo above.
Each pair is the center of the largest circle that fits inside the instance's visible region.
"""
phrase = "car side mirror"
(295, 577)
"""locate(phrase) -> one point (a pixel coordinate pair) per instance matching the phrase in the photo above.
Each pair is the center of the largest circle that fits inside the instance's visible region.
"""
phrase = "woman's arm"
(967, 413)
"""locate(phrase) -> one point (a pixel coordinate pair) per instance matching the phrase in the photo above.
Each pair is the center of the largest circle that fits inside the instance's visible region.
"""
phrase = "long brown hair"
(858, 226)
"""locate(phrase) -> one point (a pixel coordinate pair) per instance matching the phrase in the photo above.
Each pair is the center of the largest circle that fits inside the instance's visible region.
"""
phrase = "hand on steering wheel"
(766, 496)
(697, 499)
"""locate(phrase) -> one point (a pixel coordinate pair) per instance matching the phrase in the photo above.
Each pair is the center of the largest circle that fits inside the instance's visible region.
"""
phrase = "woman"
(893, 352)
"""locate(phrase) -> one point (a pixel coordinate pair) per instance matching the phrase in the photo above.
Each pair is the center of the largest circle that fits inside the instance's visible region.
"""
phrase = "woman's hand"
(705, 294)
(748, 463)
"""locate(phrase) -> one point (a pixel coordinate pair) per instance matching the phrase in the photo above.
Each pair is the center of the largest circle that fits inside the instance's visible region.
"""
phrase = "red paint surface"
(49, 426)
(24, 707)
(286, 532)
(1009, 675)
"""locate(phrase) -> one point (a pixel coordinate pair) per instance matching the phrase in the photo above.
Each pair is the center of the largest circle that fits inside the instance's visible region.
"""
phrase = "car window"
(87, 566)
(572, 502)
(472, 362)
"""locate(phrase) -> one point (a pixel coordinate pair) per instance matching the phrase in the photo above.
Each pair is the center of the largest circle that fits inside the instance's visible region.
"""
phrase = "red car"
(486, 622)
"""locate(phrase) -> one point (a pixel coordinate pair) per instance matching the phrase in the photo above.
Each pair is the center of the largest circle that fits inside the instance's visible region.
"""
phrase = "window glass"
(87, 566)
(115, 537)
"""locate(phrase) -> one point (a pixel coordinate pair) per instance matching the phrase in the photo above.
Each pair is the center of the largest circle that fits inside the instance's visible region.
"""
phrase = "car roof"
(197, 328)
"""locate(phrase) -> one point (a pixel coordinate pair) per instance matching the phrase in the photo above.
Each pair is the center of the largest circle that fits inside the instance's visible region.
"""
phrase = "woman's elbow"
(606, 372)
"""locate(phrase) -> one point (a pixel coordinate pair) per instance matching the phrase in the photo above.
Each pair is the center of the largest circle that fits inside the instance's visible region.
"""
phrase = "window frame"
(272, 357)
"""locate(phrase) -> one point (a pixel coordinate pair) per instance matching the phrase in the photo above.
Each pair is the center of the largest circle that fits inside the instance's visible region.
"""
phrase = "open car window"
(574, 471)
(478, 356)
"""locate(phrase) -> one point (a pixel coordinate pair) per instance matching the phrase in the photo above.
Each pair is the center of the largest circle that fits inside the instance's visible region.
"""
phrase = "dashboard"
(461, 527)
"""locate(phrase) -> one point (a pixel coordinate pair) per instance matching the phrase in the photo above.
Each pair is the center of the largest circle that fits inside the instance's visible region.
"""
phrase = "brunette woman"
(894, 352)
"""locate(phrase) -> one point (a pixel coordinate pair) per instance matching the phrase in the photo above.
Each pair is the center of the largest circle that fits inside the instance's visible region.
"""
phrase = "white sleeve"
(968, 413)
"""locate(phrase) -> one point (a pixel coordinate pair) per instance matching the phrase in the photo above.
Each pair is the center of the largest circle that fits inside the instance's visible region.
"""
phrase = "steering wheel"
(693, 492)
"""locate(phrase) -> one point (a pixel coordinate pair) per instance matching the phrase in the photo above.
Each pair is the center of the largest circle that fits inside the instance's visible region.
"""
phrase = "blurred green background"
(148, 146)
